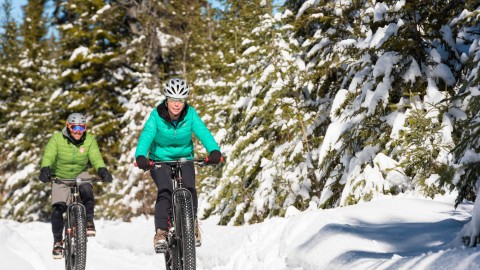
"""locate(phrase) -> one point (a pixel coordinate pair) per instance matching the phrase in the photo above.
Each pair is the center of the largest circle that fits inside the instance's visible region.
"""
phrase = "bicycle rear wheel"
(76, 238)
(184, 228)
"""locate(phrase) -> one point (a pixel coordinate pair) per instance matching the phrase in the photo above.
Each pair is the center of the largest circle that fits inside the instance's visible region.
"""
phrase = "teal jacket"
(67, 159)
(161, 140)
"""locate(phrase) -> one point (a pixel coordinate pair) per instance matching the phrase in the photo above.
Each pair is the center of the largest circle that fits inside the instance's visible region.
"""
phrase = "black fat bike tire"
(183, 251)
(184, 202)
(76, 240)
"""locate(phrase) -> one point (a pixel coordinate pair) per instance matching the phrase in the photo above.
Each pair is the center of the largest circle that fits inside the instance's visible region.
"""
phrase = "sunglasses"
(176, 100)
(77, 128)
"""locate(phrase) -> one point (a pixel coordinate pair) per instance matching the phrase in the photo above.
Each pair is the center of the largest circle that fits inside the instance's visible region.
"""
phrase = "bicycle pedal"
(160, 249)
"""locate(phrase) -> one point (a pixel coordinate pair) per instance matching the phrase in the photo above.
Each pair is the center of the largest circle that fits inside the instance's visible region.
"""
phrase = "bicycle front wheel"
(184, 227)
(75, 238)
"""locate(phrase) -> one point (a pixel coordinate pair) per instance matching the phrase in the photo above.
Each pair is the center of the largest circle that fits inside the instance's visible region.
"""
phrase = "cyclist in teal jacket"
(167, 136)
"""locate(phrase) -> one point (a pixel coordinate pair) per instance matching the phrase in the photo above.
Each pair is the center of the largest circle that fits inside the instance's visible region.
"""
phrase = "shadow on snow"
(394, 244)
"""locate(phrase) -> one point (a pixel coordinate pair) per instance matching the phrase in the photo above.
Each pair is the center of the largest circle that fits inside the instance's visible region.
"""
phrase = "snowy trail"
(34, 243)
(383, 234)
(118, 245)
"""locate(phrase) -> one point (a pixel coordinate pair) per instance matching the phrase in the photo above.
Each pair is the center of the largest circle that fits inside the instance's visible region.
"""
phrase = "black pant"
(162, 177)
(87, 197)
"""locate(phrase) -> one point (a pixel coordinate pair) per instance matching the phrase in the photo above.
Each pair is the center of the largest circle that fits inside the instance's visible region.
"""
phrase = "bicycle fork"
(72, 230)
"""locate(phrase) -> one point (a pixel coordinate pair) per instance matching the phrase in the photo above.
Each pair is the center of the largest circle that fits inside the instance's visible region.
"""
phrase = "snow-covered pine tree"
(268, 166)
(465, 107)
(28, 119)
(464, 173)
(96, 74)
(133, 193)
(9, 51)
(390, 50)
(9, 89)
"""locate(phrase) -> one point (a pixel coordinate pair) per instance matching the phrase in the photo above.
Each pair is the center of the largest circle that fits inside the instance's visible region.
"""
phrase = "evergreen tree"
(133, 194)
(147, 20)
(465, 105)
(463, 173)
(270, 165)
(9, 81)
(96, 75)
(9, 44)
(9, 51)
(34, 28)
(378, 63)
(27, 117)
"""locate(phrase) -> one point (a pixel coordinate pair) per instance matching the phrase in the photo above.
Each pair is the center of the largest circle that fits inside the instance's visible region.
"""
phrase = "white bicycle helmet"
(176, 88)
(77, 119)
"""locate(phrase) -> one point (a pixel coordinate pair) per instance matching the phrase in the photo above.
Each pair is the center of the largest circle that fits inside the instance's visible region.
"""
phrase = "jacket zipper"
(175, 129)
(74, 157)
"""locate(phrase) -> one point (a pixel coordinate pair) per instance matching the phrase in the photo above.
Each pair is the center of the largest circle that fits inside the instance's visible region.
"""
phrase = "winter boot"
(91, 229)
(160, 241)
(57, 250)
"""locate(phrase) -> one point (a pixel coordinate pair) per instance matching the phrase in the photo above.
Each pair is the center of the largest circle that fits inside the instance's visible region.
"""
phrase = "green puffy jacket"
(162, 140)
(66, 159)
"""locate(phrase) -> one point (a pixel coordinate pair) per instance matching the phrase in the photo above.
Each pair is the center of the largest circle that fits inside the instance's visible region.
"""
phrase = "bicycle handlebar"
(198, 161)
(71, 181)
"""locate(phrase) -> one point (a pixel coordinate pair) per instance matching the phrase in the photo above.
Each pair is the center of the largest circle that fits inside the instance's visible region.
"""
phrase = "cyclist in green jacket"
(66, 156)
(167, 136)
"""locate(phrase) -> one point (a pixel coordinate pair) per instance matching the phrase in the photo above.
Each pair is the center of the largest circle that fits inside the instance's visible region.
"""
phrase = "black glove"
(45, 174)
(214, 157)
(105, 175)
(143, 163)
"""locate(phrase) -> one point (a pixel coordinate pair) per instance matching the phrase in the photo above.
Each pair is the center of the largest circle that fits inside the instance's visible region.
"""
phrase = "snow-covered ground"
(390, 233)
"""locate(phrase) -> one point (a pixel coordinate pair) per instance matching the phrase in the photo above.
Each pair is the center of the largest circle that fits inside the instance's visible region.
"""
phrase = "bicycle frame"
(75, 244)
(181, 238)
(74, 185)
(178, 186)
(180, 253)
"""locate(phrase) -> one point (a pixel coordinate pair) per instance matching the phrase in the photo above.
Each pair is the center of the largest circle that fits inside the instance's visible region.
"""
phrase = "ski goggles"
(76, 128)
(176, 100)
